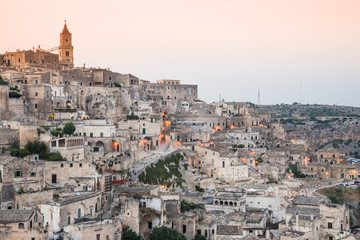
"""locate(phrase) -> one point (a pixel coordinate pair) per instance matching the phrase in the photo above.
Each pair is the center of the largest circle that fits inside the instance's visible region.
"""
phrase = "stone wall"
(4, 102)
(8, 136)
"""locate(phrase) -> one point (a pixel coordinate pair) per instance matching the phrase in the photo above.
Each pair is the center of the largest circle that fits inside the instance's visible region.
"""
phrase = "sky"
(288, 50)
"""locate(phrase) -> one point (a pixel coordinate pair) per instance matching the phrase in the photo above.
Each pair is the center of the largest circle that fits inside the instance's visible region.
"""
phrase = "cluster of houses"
(238, 170)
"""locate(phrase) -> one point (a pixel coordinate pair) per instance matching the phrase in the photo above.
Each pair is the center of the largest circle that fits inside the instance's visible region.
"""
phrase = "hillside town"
(89, 153)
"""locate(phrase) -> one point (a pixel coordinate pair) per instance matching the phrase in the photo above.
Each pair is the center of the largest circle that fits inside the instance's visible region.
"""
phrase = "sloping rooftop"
(311, 201)
(228, 230)
(14, 216)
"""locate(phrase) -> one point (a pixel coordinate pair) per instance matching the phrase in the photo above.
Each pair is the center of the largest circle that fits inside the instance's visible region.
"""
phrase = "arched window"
(31, 224)
(91, 211)
(21, 225)
(96, 207)
(79, 212)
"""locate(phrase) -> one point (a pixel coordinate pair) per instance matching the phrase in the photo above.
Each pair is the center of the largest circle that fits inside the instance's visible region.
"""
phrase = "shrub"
(69, 128)
(162, 233)
(129, 234)
(19, 152)
(3, 82)
(188, 206)
(14, 94)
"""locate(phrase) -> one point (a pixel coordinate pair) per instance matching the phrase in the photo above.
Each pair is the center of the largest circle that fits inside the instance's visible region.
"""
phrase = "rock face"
(110, 104)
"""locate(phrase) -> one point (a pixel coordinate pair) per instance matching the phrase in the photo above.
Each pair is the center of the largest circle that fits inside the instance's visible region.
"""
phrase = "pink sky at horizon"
(231, 47)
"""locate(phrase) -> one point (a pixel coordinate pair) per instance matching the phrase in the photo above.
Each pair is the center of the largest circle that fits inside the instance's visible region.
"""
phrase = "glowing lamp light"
(252, 153)
(292, 141)
(163, 186)
(232, 127)
(243, 159)
(217, 128)
(260, 125)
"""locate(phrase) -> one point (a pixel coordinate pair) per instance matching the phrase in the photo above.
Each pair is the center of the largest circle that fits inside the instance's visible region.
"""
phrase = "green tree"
(69, 128)
(56, 156)
(199, 237)
(36, 147)
(129, 234)
(19, 152)
(161, 233)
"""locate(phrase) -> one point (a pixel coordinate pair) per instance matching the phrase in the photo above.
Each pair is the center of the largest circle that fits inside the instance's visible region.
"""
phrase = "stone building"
(42, 58)
(93, 228)
(315, 218)
(22, 225)
(171, 89)
(38, 99)
(64, 212)
(66, 55)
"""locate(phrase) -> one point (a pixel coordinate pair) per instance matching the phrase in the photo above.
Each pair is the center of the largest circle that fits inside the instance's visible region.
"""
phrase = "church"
(41, 58)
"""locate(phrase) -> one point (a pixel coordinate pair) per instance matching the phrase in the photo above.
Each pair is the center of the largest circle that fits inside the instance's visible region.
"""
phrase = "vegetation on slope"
(164, 172)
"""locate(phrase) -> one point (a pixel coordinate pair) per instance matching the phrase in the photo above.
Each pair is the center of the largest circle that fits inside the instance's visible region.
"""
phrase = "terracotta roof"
(14, 216)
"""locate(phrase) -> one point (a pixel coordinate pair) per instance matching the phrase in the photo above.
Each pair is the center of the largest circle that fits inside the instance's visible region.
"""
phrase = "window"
(91, 134)
(18, 174)
(84, 134)
(79, 212)
(36, 81)
(184, 229)
(33, 174)
(53, 178)
(31, 224)
(67, 53)
(80, 165)
(329, 225)
(97, 236)
(107, 237)
(101, 134)
(36, 94)
(71, 165)
(62, 165)
(35, 105)
(69, 220)
(21, 225)
(149, 225)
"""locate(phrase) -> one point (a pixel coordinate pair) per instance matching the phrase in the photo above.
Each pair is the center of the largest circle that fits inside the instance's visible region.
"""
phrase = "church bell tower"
(66, 57)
